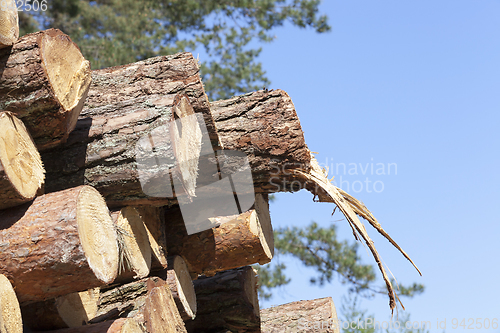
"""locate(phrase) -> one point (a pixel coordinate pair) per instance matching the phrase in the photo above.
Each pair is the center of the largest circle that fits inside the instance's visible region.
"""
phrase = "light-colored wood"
(21, 170)
(240, 240)
(227, 301)
(10, 313)
(317, 315)
(62, 242)
(9, 23)
(181, 285)
(72, 310)
(122, 325)
(154, 221)
(133, 242)
(160, 312)
(44, 81)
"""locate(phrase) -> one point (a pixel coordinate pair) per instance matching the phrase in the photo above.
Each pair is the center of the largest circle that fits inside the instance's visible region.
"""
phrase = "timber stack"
(109, 217)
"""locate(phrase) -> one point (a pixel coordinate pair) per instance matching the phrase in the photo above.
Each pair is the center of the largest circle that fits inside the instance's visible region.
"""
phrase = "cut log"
(9, 23)
(72, 310)
(122, 325)
(160, 312)
(265, 126)
(240, 240)
(10, 313)
(227, 301)
(181, 285)
(21, 171)
(125, 143)
(317, 315)
(154, 221)
(133, 243)
(44, 80)
(61, 243)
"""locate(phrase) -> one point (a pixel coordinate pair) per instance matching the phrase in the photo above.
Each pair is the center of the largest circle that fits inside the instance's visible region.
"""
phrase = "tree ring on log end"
(68, 72)
(10, 312)
(185, 288)
(134, 240)
(9, 23)
(97, 234)
(19, 157)
(262, 217)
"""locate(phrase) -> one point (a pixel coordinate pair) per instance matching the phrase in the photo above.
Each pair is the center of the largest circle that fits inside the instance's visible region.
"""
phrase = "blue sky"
(414, 83)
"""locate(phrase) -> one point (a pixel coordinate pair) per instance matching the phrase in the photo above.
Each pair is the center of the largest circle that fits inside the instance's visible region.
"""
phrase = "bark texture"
(122, 325)
(9, 23)
(124, 128)
(240, 240)
(264, 125)
(317, 315)
(44, 80)
(21, 171)
(61, 243)
(227, 301)
(160, 312)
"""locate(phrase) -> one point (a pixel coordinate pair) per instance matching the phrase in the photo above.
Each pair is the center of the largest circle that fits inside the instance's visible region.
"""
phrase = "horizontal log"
(44, 81)
(21, 171)
(9, 27)
(10, 312)
(122, 325)
(227, 301)
(240, 240)
(317, 315)
(61, 243)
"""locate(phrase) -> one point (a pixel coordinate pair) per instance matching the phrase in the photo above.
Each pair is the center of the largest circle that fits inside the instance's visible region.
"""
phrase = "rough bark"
(124, 144)
(122, 325)
(181, 285)
(154, 221)
(44, 80)
(227, 301)
(240, 240)
(133, 243)
(9, 23)
(317, 315)
(264, 125)
(72, 310)
(10, 313)
(21, 171)
(160, 312)
(61, 243)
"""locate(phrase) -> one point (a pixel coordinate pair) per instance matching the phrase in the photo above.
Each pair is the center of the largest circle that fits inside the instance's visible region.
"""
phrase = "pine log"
(240, 240)
(160, 312)
(10, 313)
(21, 171)
(44, 80)
(9, 23)
(61, 243)
(227, 301)
(154, 221)
(72, 310)
(317, 315)
(133, 242)
(181, 285)
(264, 125)
(122, 325)
(125, 143)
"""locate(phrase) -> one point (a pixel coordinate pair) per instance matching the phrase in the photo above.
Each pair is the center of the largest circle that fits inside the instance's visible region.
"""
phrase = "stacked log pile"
(97, 169)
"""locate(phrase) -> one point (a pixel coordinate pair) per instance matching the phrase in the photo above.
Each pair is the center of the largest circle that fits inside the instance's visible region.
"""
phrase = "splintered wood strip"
(160, 312)
(181, 286)
(133, 242)
(9, 23)
(44, 81)
(10, 312)
(154, 222)
(318, 315)
(227, 301)
(61, 243)
(21, 170)
(240, 240)
(72, 310)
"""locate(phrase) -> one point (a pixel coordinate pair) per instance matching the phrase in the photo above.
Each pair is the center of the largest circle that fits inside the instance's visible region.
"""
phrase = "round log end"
(261, 224)
(68, 72)
(184, 287)
(134, 242)
(78, 308)
(20, 161)
(97, 234)
(10, 312)
(9, 23)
